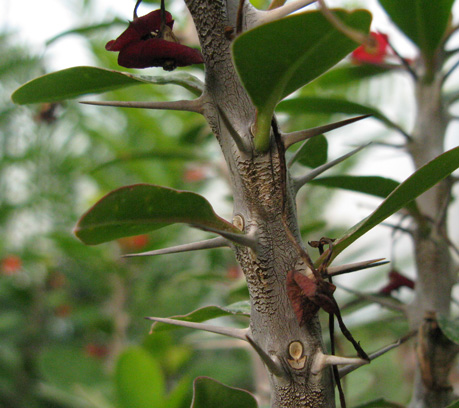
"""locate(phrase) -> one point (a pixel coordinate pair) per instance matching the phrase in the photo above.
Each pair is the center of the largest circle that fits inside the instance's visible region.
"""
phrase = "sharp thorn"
(322, 360)
(300, 182)
(248, 240)
(225, 331)
(358, 266)
(295, 137)
(218, 242)
(351, 367)
(273, 366)
(194, 105)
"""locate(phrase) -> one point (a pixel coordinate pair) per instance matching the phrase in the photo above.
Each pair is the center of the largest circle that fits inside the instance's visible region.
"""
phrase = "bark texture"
(264, 199)
(434, 263)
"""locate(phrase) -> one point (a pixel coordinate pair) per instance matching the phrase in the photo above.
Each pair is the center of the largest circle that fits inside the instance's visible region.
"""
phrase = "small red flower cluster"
(374, 53)
(148, 43)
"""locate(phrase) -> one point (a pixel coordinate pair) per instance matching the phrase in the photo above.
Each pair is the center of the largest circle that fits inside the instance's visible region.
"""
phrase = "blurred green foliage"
(72, 317)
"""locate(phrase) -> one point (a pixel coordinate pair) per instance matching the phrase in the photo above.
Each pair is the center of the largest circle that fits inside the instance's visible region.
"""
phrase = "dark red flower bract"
(141, 45)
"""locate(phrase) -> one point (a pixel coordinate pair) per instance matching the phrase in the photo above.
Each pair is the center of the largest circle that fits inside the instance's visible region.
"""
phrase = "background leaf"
(419, 182)
(449, 327)
(313, 152)
(380, 403)
(141, 208)
(373, 185)
(139, 380)
(210, 393)
(313, 104)
(423, 21)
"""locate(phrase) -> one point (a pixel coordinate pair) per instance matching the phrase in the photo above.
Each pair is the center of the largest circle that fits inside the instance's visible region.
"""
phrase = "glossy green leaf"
(274, 60)
(313, 104)
(455, 404)
(139, 380)
(372, 185)
(380, 403)
(423, 21)
(207, 313)
(210, 393)
(449, 327)
(77, 81)
(142, 208)
(313, 153)
(419, 182)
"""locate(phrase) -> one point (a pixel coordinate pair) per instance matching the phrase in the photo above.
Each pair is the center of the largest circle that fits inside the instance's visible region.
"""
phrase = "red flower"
(135, 242)
(374, 53)
(10, 265)
(146, 44)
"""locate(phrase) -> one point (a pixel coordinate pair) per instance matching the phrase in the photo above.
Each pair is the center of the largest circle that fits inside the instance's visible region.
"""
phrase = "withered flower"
(149, 42)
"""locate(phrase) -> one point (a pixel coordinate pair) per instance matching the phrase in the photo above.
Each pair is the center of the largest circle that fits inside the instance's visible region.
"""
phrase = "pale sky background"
(36, 21)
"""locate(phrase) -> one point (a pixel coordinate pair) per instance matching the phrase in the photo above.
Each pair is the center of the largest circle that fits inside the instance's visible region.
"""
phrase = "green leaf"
(312, 153)
(139, 380)
(87, 29)
(312, 104)
(419, 182)
(372, 185)
(345, 74)
(172, 153)
(77, 81)
(380, 403)
(54, 363)
(449, 327)
(423, 21)
(210, 393)
(207, 313)
(301, 48)
(455, 404)
(141, 208)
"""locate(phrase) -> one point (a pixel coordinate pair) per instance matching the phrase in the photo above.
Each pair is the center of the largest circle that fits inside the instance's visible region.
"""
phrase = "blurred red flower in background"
(10, 265)
(374, 53)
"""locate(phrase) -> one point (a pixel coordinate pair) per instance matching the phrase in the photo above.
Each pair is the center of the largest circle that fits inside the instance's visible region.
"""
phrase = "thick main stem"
(264, 198)
(434, 263)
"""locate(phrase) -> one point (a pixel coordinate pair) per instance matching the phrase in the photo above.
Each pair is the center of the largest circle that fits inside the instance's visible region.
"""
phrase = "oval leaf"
(301, 48)
(313, 152)
(419, 182)
(449, 327)
(423, 21)
(207, 313)
(210, 393)
(77, 81)
(139, 380)
(141, 208)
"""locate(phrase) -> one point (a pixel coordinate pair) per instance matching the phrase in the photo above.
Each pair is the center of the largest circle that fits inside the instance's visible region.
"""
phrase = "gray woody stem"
(258, 187)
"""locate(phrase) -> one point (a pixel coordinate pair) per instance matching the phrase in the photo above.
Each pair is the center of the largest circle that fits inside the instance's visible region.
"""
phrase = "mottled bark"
(434, 264)
(264, 199)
